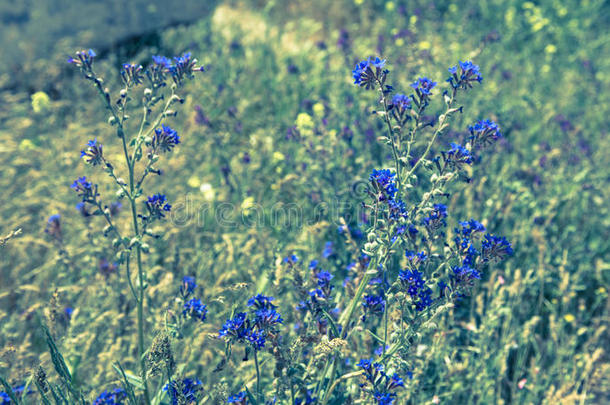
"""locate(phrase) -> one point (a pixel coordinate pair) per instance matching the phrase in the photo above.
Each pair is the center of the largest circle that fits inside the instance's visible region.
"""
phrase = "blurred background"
(276, 121)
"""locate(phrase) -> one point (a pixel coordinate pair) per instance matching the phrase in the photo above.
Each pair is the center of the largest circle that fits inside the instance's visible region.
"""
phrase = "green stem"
(439, 129)
(337, 381)
(140, 300)
(385, 328)
(258, 376)
(391, 136)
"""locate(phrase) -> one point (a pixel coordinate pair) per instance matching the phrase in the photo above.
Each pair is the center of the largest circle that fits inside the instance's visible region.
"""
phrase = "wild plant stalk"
(150, 140)
(394, 227)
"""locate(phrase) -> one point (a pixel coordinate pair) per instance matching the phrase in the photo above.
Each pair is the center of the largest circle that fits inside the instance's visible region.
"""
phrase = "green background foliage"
(542, 317)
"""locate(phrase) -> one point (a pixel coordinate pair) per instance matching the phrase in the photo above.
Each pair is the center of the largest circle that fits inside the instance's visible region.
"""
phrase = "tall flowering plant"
(411, 267)
(154, 92)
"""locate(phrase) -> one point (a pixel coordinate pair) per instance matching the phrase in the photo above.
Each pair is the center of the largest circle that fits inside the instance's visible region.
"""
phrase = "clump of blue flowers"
(185, 391)
(381, 387)
(256, 327)
(369, 73)
(117, 396)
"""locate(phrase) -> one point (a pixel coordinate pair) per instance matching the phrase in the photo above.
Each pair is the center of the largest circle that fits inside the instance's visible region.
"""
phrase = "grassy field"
(276, 143)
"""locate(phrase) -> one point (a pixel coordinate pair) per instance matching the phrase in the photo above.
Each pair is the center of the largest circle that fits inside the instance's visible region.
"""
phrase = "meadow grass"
(276, 143)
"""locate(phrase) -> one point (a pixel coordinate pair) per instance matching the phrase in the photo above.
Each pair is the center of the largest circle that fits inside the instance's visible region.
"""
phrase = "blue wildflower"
(240, 398)
(397, 209)
(261, 301)
(187, 391)
(236, 328)
(379, 350)
(81, 207)
(457, 156)
(401, 102)
(308, 400)
(313, 264)
(464, 276)
(373, 305)
(291, 260)
(328, 250)
(495, 248)
(117, 396)
(157, 206)
(162, 61)
(383, 181)
(183, 67)
(415, 258)
(85, 189)
(266, 319)
(157, 71)
(484, 133)
(195, 309)
(164, 139)
(187, 286)
(324, 278)
(469, 228)
(464, 74)
(257, 339)
(463, 240)
(83, 60)
(381, 386)
(423, 89)
(369, 72)
(436, 219)
(93, 153)
(415, 284)
(53, 227)
(412, 281)
(384, 398)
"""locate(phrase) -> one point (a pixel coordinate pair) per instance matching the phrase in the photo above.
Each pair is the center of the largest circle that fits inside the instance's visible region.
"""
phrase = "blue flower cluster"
(186, 391)
(492, 248)
(188, 286)
(157, 206)
(413, 281)
(437, 218)
(373, 304)
(254, 328)
(132, 74)
(117, 396)
(484, 133)
(495, 248)
(464, 74)
(309, 399)
(240, 398)
(83, 60)
(383, 182)
(93, 153)
(401, 102)
(195, 309)
(423, 89)
(457, 156)
(164, 139)
(369, 73)
(85, 189)
(463, 240)
(183, 68)
(381, 386)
